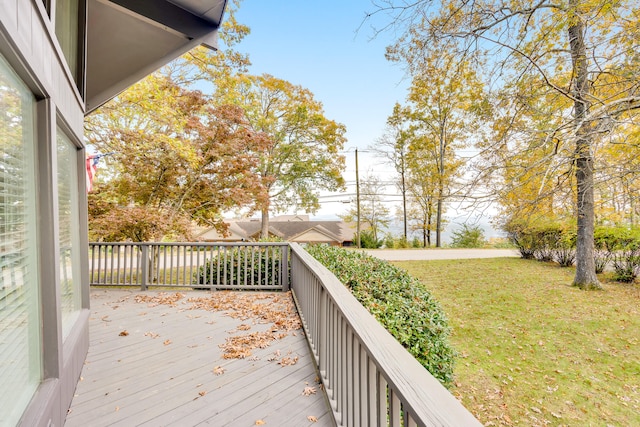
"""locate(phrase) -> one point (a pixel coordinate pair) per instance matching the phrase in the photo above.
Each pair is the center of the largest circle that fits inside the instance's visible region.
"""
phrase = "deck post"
(144, 267)
(284, 267)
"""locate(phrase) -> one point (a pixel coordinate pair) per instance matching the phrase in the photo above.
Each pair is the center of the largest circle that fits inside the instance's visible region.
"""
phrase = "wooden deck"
(156, 360)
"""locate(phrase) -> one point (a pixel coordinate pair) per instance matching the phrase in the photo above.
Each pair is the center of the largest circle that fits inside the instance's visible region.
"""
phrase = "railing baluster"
(144, 266)
(111, 265)
(245, 250)
(219, 272)
(93, 264)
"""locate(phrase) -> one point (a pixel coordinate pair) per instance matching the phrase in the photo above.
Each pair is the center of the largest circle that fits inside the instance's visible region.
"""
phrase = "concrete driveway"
(432, 254)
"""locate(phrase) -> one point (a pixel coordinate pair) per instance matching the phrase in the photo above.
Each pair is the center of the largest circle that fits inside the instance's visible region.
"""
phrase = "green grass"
(534, 351)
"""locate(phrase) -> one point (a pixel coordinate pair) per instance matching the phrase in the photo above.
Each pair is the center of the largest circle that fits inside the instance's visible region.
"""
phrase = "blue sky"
(326, 48)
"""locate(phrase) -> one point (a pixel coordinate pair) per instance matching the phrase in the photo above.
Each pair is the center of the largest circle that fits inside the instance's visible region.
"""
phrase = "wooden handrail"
(370, 379)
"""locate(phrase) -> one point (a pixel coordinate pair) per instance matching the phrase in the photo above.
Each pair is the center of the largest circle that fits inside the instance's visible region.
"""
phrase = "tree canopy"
(563, 82)
(177, 160)
(183, 157)
(302, 155)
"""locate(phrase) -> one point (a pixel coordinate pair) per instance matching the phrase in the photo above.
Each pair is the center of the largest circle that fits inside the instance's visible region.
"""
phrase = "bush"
(255, 266)
(392, 242)
(468, 237)
(544, 239)
(399, 302)
(620, 246)
(368, 240)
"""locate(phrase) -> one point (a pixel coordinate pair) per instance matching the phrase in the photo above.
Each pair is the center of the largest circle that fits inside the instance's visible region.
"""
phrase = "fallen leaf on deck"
(202, 393)
(218, 370)
(260, 422)
(287, 361)
(167, 342)
(312, 419)
(123, 333)
(308, 391)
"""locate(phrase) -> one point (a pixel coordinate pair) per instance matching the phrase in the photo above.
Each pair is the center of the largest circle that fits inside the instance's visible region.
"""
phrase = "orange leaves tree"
(178, 161)
(302, 156)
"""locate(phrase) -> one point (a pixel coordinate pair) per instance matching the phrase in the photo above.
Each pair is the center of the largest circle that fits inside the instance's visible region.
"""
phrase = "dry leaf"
(123, 333)
(218, 370)
(308, 391)
(167, 342)
(312, 419)
(286, 361)
(202, 393)
(260, 422)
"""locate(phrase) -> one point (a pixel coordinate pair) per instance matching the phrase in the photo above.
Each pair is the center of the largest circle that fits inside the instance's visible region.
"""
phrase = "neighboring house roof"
(289, 218)
(129, 39)
(294, 231)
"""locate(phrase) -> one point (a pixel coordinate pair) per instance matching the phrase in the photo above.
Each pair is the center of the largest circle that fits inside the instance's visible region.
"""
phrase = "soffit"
(129, 39)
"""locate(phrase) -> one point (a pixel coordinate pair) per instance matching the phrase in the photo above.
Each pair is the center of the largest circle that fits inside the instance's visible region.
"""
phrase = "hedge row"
(399, 302)
(549, 240)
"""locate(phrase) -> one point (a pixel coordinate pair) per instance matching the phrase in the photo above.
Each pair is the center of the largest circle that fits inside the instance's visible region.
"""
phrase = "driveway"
(432, 254)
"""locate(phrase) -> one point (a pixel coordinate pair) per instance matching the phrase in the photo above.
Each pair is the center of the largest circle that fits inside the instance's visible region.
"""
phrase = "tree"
(445, 100)
(302, 156)
(372, 209)
(393, 146)
(422, 187)
(584, 51)
(177, 161)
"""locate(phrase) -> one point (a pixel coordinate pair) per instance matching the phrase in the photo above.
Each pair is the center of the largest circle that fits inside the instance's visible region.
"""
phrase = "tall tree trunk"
(439, 216)
(404, 205)
(585, 277)
(264, 231)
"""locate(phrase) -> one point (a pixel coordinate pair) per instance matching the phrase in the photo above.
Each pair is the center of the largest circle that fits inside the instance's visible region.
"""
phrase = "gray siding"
(28, 42)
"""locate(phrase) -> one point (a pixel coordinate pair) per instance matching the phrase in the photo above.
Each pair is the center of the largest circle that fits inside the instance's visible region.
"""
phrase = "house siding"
(29, 45)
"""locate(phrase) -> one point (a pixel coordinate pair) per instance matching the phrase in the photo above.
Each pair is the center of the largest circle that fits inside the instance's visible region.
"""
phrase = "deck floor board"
(160, 372)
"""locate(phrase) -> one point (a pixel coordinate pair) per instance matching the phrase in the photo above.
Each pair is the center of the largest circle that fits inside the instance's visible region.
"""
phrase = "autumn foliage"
(177, 160)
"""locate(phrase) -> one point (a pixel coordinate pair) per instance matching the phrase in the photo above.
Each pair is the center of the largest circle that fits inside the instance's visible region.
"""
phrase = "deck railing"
(215, 266)
(370, 379)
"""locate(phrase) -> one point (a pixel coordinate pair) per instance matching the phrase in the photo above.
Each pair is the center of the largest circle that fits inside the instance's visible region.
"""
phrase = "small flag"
(92, 166)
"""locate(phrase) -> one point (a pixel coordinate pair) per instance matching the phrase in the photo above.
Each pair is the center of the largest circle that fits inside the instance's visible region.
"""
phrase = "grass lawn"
(534, 351)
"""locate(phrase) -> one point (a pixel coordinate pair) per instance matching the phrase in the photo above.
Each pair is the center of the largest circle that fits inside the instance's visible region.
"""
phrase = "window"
(68, 220)
(20, 331)
(68, 33)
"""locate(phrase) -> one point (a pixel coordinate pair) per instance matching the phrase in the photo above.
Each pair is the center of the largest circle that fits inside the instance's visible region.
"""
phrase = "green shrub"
(392, 242)
(468, 237)
(621, 246)
(239, 267)
(545, 239)
(368, 240)
(399, 302)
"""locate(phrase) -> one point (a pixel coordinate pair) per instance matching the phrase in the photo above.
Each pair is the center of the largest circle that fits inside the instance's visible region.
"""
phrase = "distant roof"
(129, 39)
(338, 231)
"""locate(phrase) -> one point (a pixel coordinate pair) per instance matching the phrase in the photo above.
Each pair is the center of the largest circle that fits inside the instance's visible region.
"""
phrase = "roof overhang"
(129, 39)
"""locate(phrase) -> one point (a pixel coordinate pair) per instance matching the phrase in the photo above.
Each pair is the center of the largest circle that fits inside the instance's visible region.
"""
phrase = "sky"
(329, 48)
(326, 48)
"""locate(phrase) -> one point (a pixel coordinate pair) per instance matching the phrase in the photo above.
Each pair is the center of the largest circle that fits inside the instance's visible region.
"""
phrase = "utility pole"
(357, 202)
